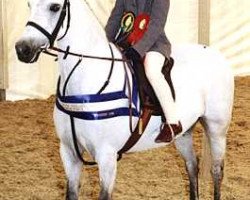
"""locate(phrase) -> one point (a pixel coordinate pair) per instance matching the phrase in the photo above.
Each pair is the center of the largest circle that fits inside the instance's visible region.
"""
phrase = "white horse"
(202, 79)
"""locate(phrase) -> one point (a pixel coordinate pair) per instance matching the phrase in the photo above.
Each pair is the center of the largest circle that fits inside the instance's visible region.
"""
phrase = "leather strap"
(138, 132)
(74, 137)
(41, 29)
(52, 36)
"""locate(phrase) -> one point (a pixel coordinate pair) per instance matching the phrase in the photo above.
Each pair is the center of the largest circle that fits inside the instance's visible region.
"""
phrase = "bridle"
(52, 36)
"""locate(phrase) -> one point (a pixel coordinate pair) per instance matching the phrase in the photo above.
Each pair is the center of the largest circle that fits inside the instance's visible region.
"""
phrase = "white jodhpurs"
(153, 64)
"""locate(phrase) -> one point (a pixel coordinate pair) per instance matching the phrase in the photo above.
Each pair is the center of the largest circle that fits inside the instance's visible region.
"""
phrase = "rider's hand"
(132, 54)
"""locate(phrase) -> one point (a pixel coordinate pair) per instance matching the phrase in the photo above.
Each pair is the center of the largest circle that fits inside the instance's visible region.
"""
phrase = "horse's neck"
(85, 33)
(85, 36)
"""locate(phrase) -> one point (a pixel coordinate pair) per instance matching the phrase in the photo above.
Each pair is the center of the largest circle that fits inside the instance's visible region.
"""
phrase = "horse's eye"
(55, 7)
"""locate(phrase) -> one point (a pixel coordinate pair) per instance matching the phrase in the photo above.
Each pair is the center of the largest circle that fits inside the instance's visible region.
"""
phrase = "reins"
(67, 53)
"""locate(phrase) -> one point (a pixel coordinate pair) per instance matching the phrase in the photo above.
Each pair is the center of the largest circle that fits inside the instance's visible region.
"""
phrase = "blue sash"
(67, 104)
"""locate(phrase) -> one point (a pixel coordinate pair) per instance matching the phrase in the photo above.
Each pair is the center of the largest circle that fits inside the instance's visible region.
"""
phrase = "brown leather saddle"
(150, 104)
(147, 94)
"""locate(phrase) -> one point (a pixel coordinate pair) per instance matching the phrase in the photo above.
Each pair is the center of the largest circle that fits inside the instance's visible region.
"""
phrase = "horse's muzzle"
(27, 52)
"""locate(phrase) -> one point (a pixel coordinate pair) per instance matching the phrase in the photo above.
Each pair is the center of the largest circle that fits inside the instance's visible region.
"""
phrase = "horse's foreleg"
(185, 146)
(107, 163)
(72, 166)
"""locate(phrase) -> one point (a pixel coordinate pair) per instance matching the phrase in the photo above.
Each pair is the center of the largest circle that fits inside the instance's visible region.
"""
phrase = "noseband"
(52, 36)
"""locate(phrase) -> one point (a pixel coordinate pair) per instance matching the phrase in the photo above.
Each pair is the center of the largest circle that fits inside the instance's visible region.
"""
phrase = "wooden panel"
(182, 23)
(3, 48)
(204, 22)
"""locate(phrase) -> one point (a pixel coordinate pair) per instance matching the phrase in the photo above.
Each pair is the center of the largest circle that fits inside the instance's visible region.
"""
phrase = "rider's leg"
(153, 63)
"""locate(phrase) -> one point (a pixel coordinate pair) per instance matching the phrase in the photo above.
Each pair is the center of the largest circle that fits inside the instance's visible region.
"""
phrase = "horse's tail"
(206, 159)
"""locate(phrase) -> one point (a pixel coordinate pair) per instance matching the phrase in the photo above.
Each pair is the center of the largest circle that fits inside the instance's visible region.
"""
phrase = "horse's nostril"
(23, 49)
(26, 50)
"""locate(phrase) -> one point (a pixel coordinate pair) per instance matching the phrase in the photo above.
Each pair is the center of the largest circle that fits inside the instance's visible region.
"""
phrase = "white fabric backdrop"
(230, 32)
(230, 26)
(26, 81)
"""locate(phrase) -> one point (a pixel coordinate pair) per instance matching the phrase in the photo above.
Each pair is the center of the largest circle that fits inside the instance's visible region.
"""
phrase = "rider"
(155, 48)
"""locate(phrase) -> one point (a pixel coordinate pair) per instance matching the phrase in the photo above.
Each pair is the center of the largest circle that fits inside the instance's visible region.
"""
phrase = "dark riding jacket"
(155, 38)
